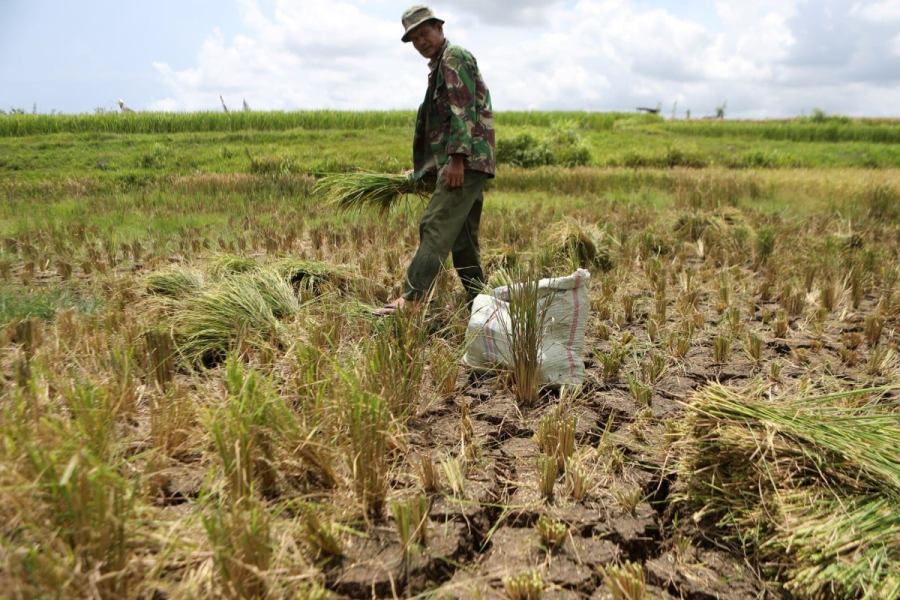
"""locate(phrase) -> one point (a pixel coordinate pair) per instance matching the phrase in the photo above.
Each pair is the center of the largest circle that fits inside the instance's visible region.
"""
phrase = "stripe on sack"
(574, 327)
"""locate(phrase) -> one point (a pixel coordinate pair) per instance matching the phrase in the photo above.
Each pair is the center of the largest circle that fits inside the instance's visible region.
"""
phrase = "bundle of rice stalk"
(276, 290)
(244, 308)
(839, 545)
(801, 483)
(581, 244)
(224, 265)
(352, 191)
(311, 274)
(175, 282)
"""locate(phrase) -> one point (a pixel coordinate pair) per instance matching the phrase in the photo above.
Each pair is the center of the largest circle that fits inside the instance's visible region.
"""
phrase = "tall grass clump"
(804, 484)
(354, 191)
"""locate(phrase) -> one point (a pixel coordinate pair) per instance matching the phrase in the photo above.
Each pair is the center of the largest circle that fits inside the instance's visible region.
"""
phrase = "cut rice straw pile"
(808, 485)
(352, 191)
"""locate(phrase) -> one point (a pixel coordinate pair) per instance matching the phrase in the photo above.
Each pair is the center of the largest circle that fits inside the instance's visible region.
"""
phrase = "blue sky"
(764, 57)
(75, 56)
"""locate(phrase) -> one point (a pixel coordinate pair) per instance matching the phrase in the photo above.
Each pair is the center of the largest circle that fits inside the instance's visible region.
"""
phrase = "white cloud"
(766, 57)
(518, 12)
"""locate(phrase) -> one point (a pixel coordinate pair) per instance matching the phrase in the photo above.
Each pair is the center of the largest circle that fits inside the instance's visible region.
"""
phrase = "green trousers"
(449, 225)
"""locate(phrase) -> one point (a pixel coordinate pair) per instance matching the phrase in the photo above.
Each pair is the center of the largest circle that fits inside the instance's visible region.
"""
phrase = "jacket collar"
(433, 63)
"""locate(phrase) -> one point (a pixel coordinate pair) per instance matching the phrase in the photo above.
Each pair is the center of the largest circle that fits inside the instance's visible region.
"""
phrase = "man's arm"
(461, 93)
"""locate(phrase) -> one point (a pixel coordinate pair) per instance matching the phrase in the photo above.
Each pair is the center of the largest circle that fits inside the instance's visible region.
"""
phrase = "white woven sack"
(562, 345)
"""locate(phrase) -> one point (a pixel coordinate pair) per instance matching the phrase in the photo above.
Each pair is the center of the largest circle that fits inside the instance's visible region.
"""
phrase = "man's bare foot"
(395, 306)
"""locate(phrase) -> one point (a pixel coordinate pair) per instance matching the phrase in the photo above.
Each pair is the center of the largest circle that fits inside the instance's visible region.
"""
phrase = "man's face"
(428, 38)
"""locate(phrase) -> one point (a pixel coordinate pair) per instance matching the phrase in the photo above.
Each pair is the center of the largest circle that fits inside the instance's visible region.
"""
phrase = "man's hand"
(455, 172)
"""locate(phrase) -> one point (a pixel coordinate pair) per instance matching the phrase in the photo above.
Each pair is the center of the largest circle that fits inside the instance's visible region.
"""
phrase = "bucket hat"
(415, 16)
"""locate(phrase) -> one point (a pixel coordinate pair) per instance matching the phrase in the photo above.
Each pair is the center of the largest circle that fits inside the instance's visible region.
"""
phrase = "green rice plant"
(555, 434)
(245, 433)
(764, 246)
(320, 535)
(552, 533)
(94, 411)
(882, 361)
(366, 419)
(626, 581)
(611, 362)
(277, 293)
(354, 191)
(527, 321)
(444, 361)
(428, 475)
(454, 476)
(91, 504)
(395, 361)
(721, 349)
(873, 326)
(411, 521)
(578, 479)
(628, 498)
(524, 150)
(160, 353)
(70, 512)
(781, 327)
(175, 282)
(753, 348)
(547, 472)
(240, 536)
(775, 368)
(172, 416)
(679, 344)
(528, 585)
(654, 368)
(641, 392)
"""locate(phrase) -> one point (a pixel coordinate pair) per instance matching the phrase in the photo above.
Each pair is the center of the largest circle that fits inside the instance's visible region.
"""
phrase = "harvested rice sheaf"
(808, 485)
(312, 274)
(175, 282)
(585, 245)
(351, 191)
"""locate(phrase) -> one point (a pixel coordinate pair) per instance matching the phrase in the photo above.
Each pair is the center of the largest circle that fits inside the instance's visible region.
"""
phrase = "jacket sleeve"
(460, 81)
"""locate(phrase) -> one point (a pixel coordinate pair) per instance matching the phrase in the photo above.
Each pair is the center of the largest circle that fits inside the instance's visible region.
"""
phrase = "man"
(453, 150)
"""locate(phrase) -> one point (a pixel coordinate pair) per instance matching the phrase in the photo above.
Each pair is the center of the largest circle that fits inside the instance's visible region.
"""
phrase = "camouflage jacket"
(455, 117)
